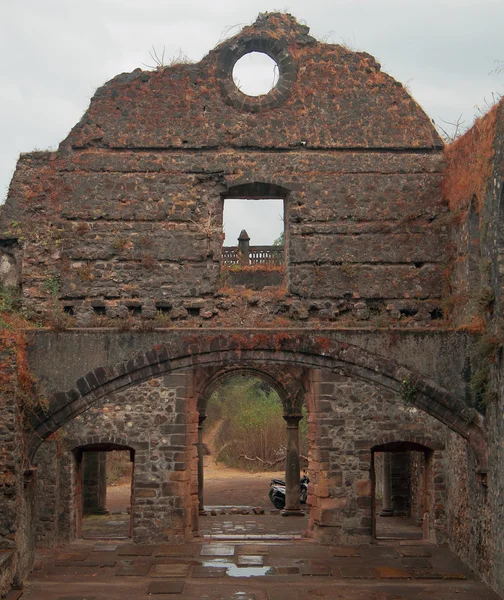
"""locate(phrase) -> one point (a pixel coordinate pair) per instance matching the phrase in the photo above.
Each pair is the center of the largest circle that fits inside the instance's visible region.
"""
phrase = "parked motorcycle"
(277, 491)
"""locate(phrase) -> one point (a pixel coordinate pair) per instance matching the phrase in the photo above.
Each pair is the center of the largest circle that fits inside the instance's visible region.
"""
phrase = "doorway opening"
(401, 490)
(244, 447)
(104, 491)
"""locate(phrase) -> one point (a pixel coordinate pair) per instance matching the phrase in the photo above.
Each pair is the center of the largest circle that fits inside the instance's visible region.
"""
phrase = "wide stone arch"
(249, 348)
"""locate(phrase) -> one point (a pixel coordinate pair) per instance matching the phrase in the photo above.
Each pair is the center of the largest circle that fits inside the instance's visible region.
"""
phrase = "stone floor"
(114, 526)
(222, 522)
(270, 526)
(399, 528)
(295, 569)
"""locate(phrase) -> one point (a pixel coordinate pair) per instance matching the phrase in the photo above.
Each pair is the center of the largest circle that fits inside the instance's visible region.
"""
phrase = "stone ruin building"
(381, 313)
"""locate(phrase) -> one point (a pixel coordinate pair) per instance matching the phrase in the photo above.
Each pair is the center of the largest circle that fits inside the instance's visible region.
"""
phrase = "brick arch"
(216, 380)
(307, 350)
(406, 445)
(257, 189)
(99, 441)
(288, 382)
(387, 440)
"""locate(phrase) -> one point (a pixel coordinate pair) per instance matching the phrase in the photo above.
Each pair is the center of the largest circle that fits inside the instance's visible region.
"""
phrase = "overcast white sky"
(55, 53)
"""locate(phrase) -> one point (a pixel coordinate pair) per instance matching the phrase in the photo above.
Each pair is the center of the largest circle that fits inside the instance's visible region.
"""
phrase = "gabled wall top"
(327, 97)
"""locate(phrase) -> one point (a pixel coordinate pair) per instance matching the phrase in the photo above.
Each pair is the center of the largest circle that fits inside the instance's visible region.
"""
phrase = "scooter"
(277, 491)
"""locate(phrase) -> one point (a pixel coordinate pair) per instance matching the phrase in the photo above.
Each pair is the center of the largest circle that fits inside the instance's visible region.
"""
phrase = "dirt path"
(232, 487)
(223, 487)
(118, 496)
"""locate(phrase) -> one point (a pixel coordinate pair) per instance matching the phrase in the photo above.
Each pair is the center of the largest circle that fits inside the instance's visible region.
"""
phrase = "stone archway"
(308, 351)
(291, 384)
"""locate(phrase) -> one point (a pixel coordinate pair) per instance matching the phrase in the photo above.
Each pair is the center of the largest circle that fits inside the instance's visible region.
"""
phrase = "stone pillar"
(292, 475)
(201, 505)
(94, 483)
(243, 247)
(387, 486)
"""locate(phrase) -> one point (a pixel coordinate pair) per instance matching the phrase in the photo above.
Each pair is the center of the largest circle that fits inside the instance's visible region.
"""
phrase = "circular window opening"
(255, 74)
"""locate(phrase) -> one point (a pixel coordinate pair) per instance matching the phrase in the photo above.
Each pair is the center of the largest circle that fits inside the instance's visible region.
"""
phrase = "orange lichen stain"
(253, 268)
(260, 339)
(477, 324)
(280, 339)
(324, 344)
(469, 164)
(15, 375)
(277, 322)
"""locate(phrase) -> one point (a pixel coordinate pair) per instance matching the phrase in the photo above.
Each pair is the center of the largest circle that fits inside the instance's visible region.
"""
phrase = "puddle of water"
(233, 570)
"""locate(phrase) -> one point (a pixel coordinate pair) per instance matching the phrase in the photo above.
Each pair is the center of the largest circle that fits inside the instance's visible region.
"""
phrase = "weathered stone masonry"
(385, 322)
(126, 216)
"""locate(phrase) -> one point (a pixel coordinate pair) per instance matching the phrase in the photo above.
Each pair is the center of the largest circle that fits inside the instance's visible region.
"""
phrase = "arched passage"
(306, 351)
(208, 380)
(291, 384)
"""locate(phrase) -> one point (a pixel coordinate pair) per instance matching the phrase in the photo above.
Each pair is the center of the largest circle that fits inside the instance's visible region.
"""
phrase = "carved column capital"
(292, 420)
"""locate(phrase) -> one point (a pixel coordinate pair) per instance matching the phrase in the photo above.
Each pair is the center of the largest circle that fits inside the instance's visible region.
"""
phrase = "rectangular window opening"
(254, 234)
(163, 307)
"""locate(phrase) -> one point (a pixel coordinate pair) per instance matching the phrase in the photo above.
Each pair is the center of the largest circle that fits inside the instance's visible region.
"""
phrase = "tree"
(280, 241)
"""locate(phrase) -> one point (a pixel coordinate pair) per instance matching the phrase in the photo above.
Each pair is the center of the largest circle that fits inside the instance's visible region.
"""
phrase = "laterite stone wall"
(155, 420)
(124, 221)
(386, 250)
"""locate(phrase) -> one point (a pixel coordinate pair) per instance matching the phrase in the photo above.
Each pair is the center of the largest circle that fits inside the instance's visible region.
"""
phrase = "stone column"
(387, 486)
(201, 505)
(292, 476)
(94, 483)
(243, 247)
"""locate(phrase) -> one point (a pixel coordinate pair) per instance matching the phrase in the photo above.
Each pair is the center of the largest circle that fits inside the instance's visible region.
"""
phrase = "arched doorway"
(253, 420)
(177, 376)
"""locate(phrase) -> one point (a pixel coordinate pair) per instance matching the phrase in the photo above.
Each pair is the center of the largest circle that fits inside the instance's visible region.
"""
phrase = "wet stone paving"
(279, 569)
(244, 526)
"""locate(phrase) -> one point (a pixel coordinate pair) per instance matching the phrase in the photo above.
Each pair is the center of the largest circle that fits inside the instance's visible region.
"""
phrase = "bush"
(253, 425)
(10, 299)
(118, 466)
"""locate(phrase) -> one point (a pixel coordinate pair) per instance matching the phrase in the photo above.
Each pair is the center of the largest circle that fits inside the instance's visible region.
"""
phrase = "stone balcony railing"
(246, 255)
